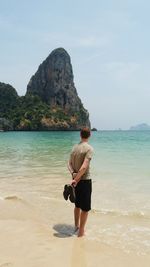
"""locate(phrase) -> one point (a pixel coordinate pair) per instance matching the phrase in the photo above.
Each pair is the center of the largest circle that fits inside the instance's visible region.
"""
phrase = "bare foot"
(81, 233)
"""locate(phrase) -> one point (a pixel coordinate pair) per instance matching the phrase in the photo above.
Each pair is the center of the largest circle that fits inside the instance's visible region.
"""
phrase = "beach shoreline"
(32, 236)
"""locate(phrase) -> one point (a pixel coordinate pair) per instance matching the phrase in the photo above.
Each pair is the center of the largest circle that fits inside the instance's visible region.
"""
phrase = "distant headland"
(51, 101)
(140, 127)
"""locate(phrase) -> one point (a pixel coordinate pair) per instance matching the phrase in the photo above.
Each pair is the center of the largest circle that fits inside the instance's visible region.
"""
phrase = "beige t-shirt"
(79, 153)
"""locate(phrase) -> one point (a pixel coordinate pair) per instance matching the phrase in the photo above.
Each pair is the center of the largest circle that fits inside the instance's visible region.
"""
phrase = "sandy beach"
(34, 235)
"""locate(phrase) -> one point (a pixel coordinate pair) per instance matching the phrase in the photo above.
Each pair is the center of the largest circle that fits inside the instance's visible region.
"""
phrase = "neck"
(84, 140)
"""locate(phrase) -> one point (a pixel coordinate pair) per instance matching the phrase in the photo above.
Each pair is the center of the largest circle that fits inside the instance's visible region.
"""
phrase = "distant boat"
(1, 130)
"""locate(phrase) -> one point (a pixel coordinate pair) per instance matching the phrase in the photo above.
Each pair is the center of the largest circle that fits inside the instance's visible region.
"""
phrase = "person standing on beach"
(78, 165)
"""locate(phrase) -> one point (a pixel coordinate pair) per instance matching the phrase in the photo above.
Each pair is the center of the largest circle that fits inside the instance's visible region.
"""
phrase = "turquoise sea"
(35, 164)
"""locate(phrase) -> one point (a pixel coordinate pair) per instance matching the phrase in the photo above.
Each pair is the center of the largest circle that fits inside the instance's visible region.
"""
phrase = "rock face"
(51, 101)
(53, 83)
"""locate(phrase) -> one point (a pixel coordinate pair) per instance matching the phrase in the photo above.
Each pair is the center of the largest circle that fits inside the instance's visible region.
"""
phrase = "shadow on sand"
(64, 230)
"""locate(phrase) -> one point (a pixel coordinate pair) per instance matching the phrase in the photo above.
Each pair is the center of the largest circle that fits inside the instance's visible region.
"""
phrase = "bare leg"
(83, 219)
(77, 212)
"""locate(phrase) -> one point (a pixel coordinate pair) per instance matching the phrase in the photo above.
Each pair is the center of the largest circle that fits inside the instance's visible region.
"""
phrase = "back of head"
(85, 132)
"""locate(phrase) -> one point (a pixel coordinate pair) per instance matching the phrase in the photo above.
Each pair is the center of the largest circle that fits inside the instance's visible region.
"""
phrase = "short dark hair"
(85, 132)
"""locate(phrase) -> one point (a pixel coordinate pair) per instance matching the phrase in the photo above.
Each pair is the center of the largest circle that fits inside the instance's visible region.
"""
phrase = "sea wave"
(119, 213)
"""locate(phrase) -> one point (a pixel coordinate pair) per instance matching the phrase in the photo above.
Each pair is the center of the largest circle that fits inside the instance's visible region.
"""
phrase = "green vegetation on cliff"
(31, 113)
(8, 99)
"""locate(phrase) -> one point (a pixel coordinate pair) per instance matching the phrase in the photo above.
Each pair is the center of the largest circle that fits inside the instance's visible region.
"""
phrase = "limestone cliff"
(51, 101)
(53, 83)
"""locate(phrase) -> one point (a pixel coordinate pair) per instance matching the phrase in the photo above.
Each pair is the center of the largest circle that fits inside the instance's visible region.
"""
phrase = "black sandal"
(69, 191)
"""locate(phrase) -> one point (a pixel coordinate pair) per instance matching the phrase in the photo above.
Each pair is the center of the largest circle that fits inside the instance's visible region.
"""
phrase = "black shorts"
(83, 192)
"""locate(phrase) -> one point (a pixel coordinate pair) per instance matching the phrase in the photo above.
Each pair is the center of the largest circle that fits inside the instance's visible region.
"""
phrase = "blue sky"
(109, 45)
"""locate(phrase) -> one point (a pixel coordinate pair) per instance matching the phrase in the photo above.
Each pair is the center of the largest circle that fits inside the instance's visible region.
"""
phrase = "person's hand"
(74, 175)
(74, 182)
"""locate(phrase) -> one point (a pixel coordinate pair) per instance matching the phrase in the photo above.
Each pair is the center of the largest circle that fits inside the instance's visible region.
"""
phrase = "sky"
(109, 45)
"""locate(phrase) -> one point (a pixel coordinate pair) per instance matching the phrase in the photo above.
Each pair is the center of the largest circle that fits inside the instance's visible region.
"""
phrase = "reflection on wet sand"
(78, 257)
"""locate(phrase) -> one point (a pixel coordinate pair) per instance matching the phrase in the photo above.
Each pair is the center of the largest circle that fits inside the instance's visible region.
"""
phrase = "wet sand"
(42, 235)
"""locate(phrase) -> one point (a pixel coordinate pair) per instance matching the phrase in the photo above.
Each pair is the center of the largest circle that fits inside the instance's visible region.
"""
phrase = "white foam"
(140, 229)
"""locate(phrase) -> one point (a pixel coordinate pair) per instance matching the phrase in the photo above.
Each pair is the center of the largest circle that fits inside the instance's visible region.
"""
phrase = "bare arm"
(81, 171)
(70, 168)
